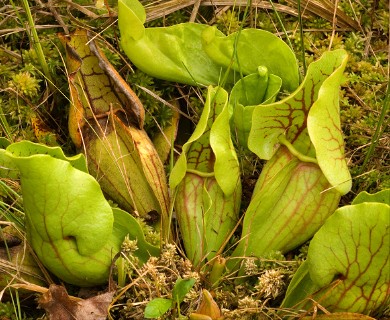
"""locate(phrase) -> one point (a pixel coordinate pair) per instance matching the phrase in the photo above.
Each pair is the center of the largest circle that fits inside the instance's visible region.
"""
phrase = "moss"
(228, 21)
(24, 84)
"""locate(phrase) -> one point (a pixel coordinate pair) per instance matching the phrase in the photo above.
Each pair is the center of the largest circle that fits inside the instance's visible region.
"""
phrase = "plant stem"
(282, 25)
(4, 124)
(37, 45)
(301, 36)
(217, 271)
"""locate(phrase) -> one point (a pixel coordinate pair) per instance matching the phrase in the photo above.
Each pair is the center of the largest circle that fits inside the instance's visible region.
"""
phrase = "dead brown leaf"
(60, 306)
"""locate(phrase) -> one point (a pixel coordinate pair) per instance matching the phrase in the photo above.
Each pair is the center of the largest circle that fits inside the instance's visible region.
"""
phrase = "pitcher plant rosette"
(306, 173)
(206, 182)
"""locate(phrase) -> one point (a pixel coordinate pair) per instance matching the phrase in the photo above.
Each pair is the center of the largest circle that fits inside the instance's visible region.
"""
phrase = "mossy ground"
(35, 108)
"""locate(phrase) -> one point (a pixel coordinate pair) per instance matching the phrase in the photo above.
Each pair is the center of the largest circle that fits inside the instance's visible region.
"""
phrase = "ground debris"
(60, 306)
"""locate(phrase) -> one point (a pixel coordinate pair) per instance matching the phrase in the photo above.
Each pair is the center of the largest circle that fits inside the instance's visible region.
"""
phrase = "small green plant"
(7, 310)
(24, 84)
(159, 306)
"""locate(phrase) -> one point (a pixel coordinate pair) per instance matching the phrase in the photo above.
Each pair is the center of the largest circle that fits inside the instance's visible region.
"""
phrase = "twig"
(57, 16)
(334, 22)
(195, 10)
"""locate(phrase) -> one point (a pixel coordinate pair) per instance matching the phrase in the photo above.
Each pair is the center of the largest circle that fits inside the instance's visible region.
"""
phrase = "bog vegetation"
(200, 160)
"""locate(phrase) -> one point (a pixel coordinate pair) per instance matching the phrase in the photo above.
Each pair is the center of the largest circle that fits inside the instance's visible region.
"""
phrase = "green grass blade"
(37, 45)
(379, 129)
(302, 38)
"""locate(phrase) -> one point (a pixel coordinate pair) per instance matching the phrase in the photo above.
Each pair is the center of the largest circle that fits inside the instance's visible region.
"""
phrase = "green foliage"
(7, 310)
(255, 89)
(207, 200)
(301, 184)
(194, 53)
(361, 101)
(153, 51)
(24, 83)
(181, 288)
(287, 207)
(73, 230)
(348, 259)
(244, 51)
(313, 137)
(159, 306)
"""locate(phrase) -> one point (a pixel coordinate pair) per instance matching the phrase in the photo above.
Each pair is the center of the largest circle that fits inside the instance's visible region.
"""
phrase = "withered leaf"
(60, 306)
(96, 87)
(106, 123)
(208, 308)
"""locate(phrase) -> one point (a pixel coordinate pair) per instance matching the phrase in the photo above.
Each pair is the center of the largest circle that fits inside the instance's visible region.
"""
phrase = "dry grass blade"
(82, 9)
(255, 4)
(158, 10)
(325, 9)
